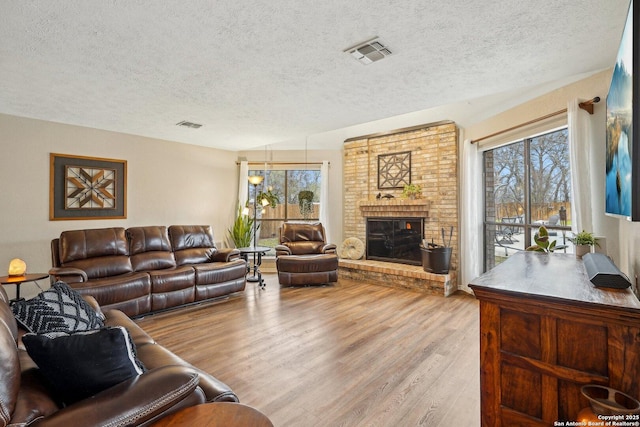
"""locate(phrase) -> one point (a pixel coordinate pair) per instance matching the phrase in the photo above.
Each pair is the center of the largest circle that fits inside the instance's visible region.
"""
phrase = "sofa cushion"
(220, 272)
(59, 308)
(34, 398)
(295, 232)
(302, 238)
(82, 244)
(100, 267)
(192, 244)
(149, 248)
(81, 364)
(130, 293)
(305, 247)
(99, 252)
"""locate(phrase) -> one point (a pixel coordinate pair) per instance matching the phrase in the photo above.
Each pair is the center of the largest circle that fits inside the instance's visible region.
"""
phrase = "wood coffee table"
(219, 414)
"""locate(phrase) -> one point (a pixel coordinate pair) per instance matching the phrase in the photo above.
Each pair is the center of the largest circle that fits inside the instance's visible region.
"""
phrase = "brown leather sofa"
(146, 269)
(304, 257)
(168, 385)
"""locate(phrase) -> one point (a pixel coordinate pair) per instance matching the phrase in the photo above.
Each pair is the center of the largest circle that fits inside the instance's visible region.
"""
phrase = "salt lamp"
(17, 267)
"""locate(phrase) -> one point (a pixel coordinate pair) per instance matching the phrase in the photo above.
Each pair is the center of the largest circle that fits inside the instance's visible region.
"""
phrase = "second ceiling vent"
(370, 51)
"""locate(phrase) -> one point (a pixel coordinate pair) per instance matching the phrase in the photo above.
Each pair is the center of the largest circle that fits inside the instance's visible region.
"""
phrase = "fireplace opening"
(395, 239)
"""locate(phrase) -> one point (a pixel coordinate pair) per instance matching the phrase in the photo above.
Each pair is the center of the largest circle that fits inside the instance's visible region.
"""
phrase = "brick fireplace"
(434, 159)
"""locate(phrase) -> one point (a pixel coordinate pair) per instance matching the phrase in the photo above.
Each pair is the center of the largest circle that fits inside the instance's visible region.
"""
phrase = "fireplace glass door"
(395, 239)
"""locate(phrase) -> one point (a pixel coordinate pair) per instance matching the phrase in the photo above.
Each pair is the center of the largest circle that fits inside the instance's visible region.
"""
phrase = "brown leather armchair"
(304, 257)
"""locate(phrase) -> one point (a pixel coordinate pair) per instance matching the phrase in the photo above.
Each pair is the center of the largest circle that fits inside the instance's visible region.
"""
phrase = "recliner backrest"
(149, 248)
(99, 252)
(303, 238)
(192, 244)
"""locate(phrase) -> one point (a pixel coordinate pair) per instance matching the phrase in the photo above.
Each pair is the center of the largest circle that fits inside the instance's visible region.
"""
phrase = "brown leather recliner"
(304, 257)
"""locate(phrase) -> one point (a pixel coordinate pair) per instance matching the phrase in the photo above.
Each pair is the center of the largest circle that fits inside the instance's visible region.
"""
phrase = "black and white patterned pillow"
(59, 308)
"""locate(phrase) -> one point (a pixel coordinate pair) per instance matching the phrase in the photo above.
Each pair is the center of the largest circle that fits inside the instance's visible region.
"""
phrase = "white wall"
(168, 183)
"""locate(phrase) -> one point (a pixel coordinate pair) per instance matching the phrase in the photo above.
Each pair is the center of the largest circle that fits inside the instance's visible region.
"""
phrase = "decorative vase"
(582, 250)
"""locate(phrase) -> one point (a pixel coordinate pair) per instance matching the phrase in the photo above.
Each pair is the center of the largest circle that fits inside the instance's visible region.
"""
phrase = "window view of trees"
(298, 191)
(527, 184)
(550, 174)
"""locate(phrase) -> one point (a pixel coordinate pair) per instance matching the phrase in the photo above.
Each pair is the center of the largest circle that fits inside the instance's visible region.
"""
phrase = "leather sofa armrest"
(133, 402)
(94, 304)
(329, 248)
(68, 274)
(282, 250)
(226, 255)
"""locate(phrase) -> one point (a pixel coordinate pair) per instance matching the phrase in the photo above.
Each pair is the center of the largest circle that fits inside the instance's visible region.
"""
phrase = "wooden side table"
(219, 414)
(19, 280)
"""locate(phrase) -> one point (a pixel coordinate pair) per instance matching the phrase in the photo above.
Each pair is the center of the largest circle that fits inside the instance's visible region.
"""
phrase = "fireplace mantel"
(388, 208)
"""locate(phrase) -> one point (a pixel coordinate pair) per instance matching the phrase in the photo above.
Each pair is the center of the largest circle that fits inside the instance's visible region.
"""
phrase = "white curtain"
(243, 183)
(471, 215)
(324, 199)
(579, 149)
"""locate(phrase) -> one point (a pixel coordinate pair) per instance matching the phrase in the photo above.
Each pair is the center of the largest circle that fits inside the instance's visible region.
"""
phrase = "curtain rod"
(586, 105)
(282, 163)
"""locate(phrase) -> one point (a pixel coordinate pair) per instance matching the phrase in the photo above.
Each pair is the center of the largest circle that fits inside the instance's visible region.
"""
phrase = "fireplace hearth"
(395, 239)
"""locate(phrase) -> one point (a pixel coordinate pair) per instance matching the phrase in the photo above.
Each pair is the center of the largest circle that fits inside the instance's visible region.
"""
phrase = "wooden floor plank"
(351, 354)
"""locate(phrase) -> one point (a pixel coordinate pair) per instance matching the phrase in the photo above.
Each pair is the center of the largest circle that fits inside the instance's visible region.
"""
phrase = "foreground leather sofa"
(146, 269)
(168, 385)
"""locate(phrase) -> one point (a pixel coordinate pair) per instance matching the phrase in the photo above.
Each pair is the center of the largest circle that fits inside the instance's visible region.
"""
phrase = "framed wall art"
(394, 170)
(622, 171)
(87, 188)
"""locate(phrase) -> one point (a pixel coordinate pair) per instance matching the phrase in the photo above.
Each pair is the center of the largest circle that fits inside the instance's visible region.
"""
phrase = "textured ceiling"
(263, 72)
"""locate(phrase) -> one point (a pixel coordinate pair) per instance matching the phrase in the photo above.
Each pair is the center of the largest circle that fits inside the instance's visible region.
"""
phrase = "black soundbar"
(603, 273)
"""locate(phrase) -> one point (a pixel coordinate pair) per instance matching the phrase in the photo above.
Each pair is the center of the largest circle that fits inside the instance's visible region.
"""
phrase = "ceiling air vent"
(187, 124)
(370, 51)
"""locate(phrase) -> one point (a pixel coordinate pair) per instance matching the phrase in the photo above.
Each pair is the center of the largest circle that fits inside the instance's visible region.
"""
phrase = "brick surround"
(434, 166)
(411, 277)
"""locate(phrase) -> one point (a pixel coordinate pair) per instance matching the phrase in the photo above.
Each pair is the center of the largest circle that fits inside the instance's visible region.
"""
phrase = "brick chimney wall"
(434, 166)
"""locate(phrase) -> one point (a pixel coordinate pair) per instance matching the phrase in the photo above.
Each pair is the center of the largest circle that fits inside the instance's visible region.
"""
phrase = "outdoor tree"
(549, 175)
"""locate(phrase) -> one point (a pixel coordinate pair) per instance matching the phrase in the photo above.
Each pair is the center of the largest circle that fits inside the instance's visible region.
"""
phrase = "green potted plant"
(412, 191)
(241, 232)
(268, 198)
(305, 201)
(583, 242)
(543, 243)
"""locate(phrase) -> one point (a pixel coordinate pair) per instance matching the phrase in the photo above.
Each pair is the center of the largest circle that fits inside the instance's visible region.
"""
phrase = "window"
(298, 191)
(527, 184)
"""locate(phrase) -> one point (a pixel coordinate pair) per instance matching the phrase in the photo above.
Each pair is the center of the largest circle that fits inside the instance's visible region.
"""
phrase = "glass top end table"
(257, 252)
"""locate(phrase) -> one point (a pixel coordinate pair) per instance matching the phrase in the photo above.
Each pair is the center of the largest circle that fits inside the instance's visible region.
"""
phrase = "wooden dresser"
(545, 331)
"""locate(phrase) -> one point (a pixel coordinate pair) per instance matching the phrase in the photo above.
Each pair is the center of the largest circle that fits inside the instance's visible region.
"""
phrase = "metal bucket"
(436, 259)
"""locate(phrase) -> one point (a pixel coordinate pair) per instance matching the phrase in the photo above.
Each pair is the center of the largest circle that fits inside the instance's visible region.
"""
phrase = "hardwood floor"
(350, 354)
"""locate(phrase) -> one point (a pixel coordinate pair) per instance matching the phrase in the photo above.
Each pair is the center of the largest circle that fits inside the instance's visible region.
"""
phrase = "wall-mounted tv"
(622, 145)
